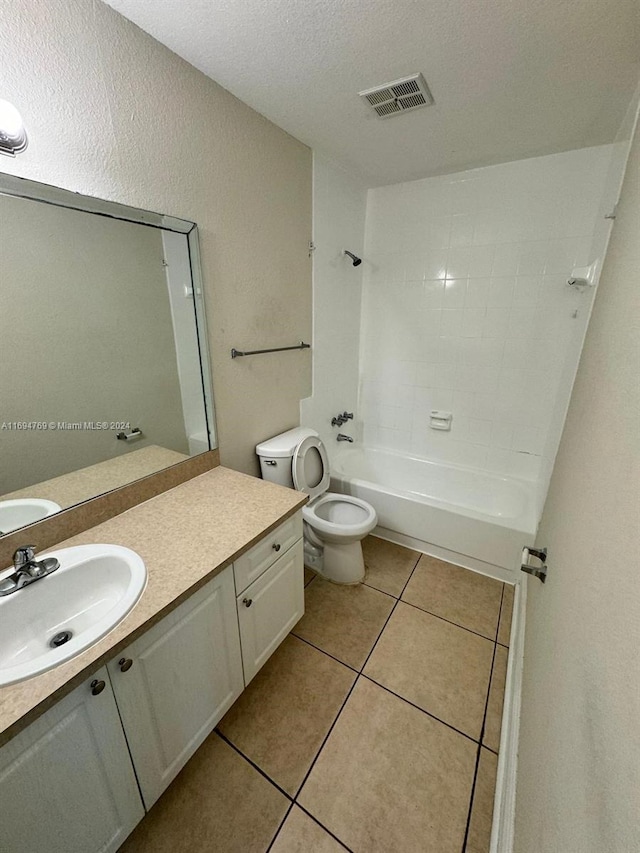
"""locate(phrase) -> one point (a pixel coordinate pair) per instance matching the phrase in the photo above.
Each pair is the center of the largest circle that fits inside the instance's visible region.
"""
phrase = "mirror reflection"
(101, 381)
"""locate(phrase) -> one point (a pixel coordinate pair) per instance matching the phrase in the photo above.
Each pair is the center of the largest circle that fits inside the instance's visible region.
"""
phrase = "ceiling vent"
(403, 95)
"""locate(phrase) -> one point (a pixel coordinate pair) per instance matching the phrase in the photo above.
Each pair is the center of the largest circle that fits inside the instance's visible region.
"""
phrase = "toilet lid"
(310, 467)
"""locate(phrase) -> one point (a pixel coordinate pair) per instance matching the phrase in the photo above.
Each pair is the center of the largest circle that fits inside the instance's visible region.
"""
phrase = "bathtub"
(468, 516)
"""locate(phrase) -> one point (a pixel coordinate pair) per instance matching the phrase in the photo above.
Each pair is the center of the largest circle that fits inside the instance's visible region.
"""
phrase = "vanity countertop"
(185, 536)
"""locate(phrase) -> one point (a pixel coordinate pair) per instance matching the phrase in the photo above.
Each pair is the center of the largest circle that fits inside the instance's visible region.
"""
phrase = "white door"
(269, 608)
(66, 781)
(175, 683)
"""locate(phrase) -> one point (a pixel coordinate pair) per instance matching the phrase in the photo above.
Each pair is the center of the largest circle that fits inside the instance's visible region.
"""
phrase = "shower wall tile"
(465, 308)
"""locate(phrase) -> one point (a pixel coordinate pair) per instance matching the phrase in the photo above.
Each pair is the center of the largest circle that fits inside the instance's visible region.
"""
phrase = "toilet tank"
(276, 454)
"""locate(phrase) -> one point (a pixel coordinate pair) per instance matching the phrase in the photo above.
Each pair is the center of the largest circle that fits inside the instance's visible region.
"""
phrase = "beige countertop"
(185, 536)
(85, 483)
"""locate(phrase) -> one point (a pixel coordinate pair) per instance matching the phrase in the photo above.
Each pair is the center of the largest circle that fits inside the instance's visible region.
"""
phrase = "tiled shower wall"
(466, 307)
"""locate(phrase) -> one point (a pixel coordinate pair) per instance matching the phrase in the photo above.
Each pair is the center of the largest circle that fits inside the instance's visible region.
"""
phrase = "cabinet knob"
(125, 664)
(276, 546)
(247, 602)
(97, 686)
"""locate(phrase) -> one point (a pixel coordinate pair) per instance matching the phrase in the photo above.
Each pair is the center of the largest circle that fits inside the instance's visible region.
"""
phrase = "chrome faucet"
(343, 437)
(26, 570)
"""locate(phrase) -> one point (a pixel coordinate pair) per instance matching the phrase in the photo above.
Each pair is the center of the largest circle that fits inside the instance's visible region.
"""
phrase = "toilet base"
(343, 563)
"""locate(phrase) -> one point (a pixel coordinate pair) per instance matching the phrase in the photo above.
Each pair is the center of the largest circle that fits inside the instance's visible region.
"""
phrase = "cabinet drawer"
(269, 609)
(251, 565)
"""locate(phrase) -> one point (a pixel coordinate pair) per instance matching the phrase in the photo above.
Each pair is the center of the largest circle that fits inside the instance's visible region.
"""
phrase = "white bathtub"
(443, 508)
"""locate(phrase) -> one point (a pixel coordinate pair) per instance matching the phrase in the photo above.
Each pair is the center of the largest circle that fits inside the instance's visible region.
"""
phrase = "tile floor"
(373, 728)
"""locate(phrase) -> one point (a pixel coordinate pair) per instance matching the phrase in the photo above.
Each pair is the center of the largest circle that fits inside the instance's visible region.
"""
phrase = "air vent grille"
(378, 97)
(397, 97)
(409, 88)
(388, 108)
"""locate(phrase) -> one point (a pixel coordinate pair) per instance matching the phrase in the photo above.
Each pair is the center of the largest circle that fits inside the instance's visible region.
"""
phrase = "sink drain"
(60, 639)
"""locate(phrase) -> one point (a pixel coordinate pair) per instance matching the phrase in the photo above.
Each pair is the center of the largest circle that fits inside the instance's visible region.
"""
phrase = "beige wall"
(86, 335)
(579, 755)
(112, 113)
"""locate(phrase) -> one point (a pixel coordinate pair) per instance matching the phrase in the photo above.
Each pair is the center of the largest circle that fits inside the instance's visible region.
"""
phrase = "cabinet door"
(269, 609)
(66, 781)
(178, 680)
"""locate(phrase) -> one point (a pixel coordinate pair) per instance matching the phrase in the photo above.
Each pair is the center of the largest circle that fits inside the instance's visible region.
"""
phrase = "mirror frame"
(11, 185)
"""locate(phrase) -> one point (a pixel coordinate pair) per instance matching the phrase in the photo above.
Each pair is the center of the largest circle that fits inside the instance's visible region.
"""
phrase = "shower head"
(356, 260)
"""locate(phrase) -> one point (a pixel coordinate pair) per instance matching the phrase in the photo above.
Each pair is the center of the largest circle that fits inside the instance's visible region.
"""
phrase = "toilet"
(334, 524)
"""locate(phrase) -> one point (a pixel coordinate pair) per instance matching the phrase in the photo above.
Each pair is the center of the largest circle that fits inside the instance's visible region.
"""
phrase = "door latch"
(539, 554)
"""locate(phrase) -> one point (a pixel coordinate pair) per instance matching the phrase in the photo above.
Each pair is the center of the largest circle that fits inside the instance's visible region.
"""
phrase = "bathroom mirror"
(104, 375)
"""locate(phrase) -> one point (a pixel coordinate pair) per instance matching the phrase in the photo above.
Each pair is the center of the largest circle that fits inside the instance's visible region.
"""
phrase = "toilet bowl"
(334, 524)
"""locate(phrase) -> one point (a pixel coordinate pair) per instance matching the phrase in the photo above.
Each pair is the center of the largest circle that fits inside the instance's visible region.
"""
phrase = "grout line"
(318, 649)
(252, 763)
(325, 739)
(282, 823)
(484, 722)
(395, 604)
(328, 831)
(457, 625)
(418, 708)
(473, 791)
(377, 589)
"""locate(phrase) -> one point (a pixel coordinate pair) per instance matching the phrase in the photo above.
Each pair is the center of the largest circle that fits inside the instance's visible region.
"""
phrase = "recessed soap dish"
(440, 420)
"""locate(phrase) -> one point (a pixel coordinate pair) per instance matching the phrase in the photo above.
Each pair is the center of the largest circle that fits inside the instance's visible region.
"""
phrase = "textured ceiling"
(510, 78)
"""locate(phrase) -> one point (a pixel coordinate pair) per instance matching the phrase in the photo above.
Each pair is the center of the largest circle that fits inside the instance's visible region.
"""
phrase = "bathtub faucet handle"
(338, 421)
(347, 416)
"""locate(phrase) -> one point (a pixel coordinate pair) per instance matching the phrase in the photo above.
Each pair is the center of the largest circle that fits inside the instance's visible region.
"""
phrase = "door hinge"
(540, 554)
(312, 247)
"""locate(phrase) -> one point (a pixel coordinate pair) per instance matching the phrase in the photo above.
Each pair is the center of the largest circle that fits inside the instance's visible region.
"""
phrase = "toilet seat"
(355, 524)
(310, 467)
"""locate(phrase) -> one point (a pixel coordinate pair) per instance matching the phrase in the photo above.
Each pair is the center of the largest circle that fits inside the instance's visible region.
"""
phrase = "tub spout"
(343, 437)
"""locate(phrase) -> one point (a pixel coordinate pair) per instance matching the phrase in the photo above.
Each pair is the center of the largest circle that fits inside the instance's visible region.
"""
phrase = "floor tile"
(344, 621)
(388, 566)
(391, 778)
(467, 598)
(281, 719)
(438, 666)
(504, 628)
(479, 838)
(308, 576)
(496, 700)
(218, 802)
(301, 834)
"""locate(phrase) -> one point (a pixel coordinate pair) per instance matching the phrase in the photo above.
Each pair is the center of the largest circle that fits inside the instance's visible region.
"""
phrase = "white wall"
(339, 204)
(579, 752)
(466, 307)
(112, 113)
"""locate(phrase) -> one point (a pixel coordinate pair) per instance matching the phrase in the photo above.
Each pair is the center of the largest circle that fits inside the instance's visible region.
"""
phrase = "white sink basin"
(94, 589)
(17, 513)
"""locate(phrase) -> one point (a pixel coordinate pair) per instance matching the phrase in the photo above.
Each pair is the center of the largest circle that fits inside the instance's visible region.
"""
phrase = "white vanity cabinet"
(270, 592)
(66, 781)
(176, 682)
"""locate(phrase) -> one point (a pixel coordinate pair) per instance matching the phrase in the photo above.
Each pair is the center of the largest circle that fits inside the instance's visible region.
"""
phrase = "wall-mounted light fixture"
(13, 136)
